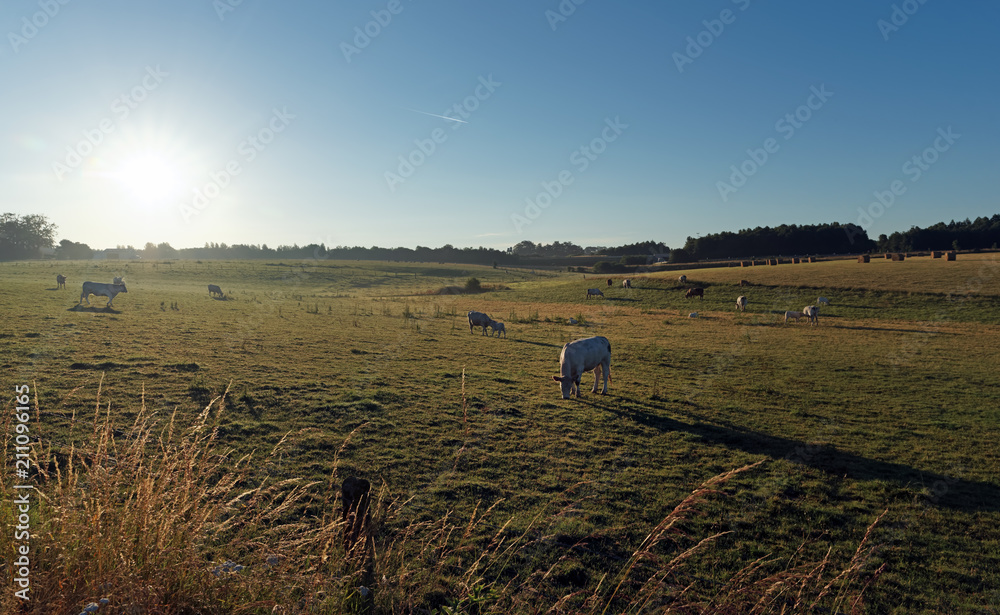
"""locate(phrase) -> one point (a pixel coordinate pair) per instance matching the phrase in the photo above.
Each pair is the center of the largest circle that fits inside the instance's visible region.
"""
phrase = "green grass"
(891, 403)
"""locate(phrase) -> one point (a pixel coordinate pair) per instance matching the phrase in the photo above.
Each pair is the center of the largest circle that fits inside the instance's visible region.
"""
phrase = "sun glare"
(148, 176)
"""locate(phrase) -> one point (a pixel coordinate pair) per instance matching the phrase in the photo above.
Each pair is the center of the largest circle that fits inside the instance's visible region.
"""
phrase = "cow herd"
(117, 286)
(594, 353)
(577, 357)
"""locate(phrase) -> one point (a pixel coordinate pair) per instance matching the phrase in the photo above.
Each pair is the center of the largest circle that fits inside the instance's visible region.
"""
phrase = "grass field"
(891, 403)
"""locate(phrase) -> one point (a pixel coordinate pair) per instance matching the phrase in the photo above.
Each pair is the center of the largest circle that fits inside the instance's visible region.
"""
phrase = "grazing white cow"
(741, 303)
(626, 283)
(580, 356)
(498, 328)
(60, 281)
(594, 292)
(118, 280)
(214, 290)
(105, 290)
(823, 300)
(794, 315)
(812, 313)
(478, 319)
(682, 279)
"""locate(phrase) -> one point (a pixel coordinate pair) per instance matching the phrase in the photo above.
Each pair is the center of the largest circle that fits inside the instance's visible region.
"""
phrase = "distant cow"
(498, 328)
(741, 303)
(214, 290)
(610, 282)
(823, 300)
(118, 280)
(812, 313)
(695, 292)
(626, 283)
(60, 281)
(744, 283)
(794, 315)
(580, 356)
(106, 290)
(594, 292)
(682, 279)
(478, 319)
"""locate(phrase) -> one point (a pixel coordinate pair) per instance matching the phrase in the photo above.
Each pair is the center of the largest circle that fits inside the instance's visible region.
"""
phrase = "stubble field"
(890, 404)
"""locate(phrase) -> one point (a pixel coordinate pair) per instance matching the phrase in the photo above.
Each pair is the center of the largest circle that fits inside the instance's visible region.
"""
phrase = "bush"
(472, 285)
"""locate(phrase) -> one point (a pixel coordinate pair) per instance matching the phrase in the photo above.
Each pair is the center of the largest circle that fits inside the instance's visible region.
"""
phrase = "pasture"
(335, 368)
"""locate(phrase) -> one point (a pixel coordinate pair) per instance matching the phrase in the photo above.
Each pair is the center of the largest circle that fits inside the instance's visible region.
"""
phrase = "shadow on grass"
(93, 309)
(927, 331)
(533, 343)
(952, 493)
(665, 289)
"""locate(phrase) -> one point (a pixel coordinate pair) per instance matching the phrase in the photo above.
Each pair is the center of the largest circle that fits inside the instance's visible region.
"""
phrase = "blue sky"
(599, 123)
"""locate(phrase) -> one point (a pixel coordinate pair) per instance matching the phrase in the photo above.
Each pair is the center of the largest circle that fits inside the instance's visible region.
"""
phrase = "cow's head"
(566, 385)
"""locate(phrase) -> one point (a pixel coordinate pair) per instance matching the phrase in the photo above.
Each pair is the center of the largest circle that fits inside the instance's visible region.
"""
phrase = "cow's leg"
(607, 376)
(597, 378)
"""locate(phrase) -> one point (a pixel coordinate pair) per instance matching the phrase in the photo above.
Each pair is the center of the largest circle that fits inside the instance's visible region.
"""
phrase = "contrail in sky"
(443, 117)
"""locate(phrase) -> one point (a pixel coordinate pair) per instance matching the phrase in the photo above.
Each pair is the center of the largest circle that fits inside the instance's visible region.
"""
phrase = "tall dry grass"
(161, 518)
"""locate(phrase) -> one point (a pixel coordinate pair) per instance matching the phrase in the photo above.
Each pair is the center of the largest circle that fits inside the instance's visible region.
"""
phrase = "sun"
(148, 176)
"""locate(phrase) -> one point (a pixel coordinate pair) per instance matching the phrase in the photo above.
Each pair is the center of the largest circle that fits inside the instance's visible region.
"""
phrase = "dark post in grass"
(356, 515)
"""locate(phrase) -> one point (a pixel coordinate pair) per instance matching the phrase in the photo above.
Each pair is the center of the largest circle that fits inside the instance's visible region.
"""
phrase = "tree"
(24, 236)
(680, 255)
(70, 250)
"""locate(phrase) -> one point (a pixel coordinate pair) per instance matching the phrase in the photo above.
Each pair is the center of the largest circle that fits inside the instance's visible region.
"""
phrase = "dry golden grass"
(922, 274)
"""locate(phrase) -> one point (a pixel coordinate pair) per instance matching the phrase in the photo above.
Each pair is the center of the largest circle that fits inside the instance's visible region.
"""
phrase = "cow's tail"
(610, 381)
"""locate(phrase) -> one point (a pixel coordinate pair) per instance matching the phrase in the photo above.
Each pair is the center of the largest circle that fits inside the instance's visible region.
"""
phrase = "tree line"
(24, 237)
(979, 234)
(784, 240)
